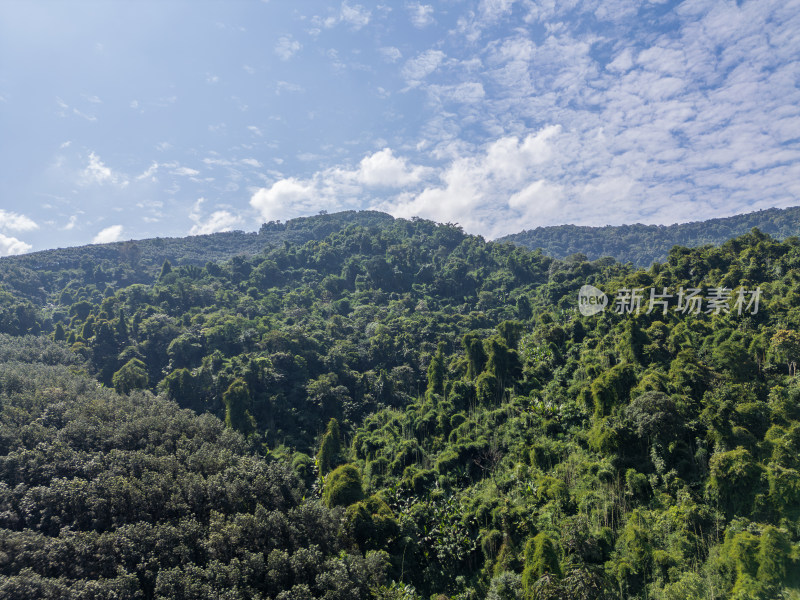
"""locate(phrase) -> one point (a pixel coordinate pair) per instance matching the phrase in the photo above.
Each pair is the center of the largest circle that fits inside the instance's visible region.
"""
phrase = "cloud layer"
(496, 114)
(608, 124)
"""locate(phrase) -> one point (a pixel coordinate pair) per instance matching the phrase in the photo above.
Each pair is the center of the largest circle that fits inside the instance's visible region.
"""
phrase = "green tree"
(343, 486)
(735, 479)
(132, 375)
(237, 407)
(786, 345)
(59, 335)
(436, 373)
(330, 449)
(541, 557)
(166, 269)
(476, 355)
(510, 331)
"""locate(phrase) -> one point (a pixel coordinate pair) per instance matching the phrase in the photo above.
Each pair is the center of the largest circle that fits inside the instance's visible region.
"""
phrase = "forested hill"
(405, 412)
(645, 244)
(38, 274)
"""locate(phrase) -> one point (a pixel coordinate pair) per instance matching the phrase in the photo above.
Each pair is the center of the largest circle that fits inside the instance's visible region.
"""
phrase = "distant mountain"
(38, 274)
(645, 244)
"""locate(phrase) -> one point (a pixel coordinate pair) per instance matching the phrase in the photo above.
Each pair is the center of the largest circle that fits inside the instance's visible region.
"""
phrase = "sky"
(130, 119)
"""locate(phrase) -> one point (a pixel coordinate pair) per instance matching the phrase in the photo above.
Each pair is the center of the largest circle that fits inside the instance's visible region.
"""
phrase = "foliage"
(355, 406)
(645, 244)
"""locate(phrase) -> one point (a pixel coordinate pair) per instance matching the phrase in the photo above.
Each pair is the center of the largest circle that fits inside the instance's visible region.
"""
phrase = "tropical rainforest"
(645, 244)
(353, 406)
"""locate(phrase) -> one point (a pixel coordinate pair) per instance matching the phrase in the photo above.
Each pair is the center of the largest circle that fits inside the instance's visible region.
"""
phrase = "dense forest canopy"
(38, 274)
(645, 244)
(396, 409)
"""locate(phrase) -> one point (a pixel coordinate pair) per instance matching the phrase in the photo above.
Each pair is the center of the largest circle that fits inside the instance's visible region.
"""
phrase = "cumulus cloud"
(356, 15)
(96, 172)
(338, 188)
(550, 123)
(385, 169)
(108, 235)
(285, 199)
(219, 220)
(485, 191)
(10, 246)
(11, 221)
(697, 120)
(421, 14)
(493, 10)
(474, 190)
(422, 65)
(287, 47)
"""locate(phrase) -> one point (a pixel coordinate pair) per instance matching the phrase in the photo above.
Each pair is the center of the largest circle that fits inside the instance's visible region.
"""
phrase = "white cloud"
(421, 14)
(698, 117)
(108, 235)
(492, 10)
(285, 86)
(422, 65)
(356, 16)
(10, 246)
(185, 172)
(73, 220)
(11, 221)
(287, 47)
(391, 54)
(96, 172)
(465, 93)
(384, 169)
(219, 220)
(475, 189)
(537, 201)
(149, 173)
(285, 199)
(83, 115)
(338, 188)
(622, 62)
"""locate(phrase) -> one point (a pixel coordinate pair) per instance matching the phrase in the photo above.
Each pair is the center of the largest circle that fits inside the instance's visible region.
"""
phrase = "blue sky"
(129, 119)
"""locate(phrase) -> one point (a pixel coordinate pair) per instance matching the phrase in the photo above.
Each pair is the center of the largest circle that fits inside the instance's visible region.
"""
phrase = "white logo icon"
(591, 300)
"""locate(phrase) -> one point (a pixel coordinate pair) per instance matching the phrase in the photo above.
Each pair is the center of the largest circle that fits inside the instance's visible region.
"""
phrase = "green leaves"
(131, 376)
(343, 486)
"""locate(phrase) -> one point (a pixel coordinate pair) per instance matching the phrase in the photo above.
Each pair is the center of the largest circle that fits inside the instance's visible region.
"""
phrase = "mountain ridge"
(560, 241)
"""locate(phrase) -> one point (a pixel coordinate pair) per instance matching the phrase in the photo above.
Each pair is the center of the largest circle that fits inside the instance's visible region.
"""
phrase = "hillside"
(645, 244)
(39, 274)
(405, 411)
